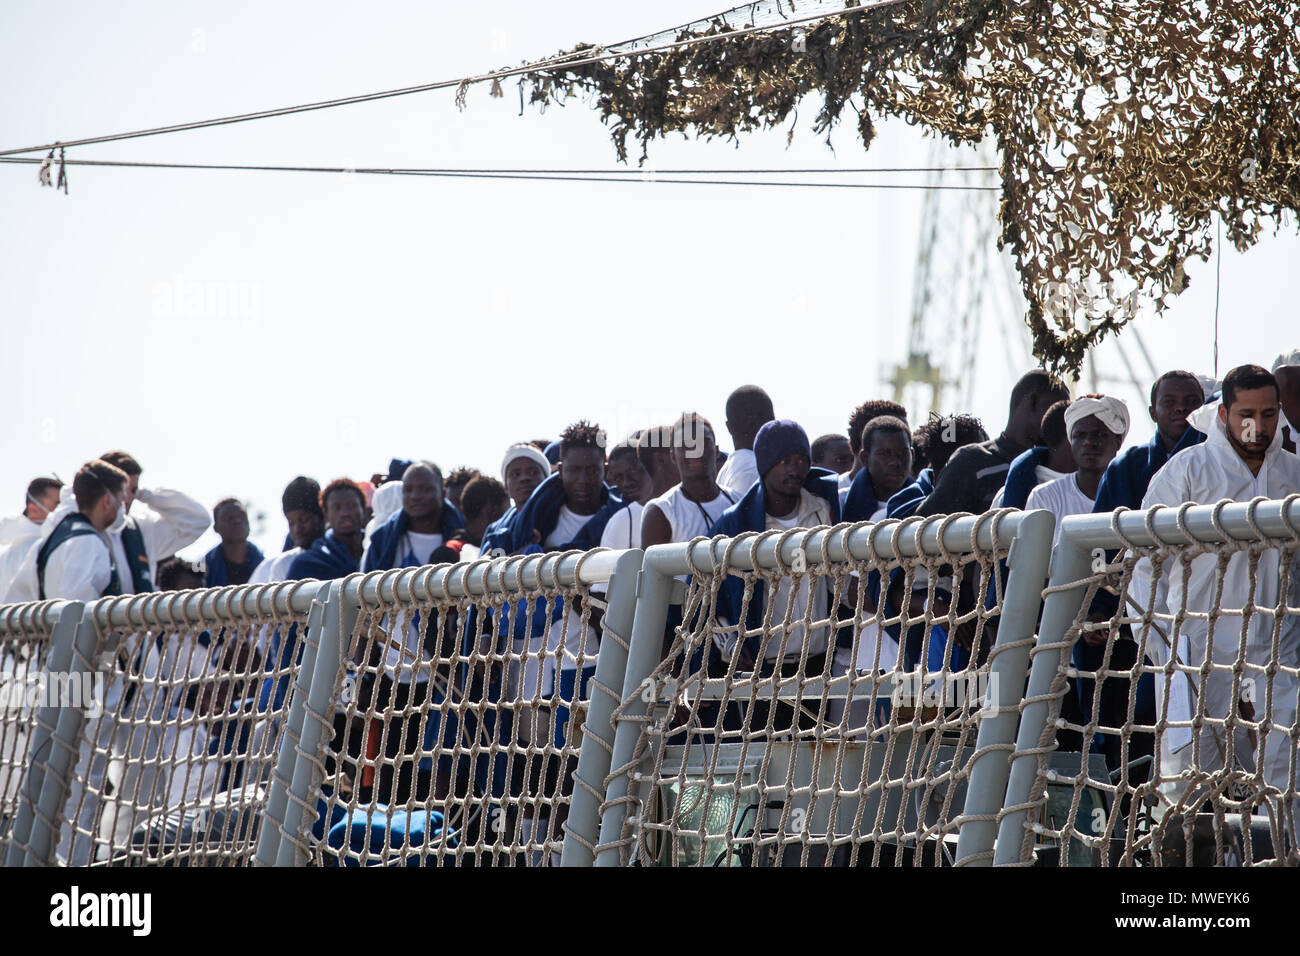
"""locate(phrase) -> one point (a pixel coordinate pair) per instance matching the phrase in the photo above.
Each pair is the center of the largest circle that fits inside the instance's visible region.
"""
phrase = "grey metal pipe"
(654, 590)
(1017, 621)
(1071, 562)
(583, 824)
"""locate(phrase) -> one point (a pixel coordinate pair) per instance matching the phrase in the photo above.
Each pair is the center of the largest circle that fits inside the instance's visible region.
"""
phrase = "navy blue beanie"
(777, 439)
(552, 452)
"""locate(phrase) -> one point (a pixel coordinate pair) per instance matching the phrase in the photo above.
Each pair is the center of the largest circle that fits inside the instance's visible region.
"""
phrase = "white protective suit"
(168, 522)
(16, 535)
(1205, 474)
(77, 570)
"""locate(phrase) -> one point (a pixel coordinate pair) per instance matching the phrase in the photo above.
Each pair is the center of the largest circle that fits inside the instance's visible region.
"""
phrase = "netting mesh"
(175, 759)
(1172, 734)
(25, 632)
(818, 712)
(458, 726)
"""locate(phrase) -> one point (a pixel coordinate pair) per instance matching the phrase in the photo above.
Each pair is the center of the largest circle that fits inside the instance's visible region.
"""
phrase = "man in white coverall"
(1242, 458)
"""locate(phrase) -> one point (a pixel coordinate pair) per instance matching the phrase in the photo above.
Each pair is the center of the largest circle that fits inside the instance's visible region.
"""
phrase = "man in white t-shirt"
(1041, 464)
(301, 505)
(689, 508)
(1095, 426)
(749, 408)
(641, 469)
(418, 653)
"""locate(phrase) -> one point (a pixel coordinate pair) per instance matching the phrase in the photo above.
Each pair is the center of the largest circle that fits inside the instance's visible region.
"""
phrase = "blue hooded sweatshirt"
(327, 559)
(1022, 477)
(1127, 477)
(904, 503)
(750, 514)
(218, 574)
(519, 530)
(382, 552)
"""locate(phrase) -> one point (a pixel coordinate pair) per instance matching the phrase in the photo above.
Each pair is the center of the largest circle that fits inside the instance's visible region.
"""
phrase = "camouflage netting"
(1122, 126)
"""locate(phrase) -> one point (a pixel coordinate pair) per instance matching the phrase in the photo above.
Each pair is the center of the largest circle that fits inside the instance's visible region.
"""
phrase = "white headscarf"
(1111, 412)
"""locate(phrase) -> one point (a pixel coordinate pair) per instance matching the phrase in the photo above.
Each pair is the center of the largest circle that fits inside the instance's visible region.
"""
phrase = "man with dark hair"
(456, 481)
(71, 559)
(858, 421)
(651, 462)
(300, 503)
(790, 494)
(749, 408)
(1043, 463)
(552, 656)
(833, 452)
(338, 553)
(975, 473)
(690, 506)
(168, 522)
(937, 439)
(1241, 458)
(1174, 396)
(427, 530)
(19, 531)
(623, 473)
(483, 502)
(885, 460)
(235, 559)
(176, 574)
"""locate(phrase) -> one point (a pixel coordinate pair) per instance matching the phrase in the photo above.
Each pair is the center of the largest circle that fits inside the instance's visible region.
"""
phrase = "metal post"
(1071, 562)
(68, 723)
(1027, 562)
(336, 631)
(654, 589)
(38, 747)
(595, 755)
(273, 819)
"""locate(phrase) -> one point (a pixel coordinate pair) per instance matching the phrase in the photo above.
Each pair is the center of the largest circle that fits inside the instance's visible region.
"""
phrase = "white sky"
(233, 330)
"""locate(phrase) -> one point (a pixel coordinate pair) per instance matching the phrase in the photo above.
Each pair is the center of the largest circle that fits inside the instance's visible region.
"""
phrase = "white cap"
(525, 451)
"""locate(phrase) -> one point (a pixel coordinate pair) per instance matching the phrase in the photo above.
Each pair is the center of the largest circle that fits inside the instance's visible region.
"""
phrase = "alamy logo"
(26, 692)
(78, 909)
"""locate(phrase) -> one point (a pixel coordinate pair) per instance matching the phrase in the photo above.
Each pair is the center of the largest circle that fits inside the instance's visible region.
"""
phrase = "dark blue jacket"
(514, 532)
(861, 502)
(906, 500)
(750, 514)
(217, 574)
(1022, 478)
(328, 558)
(1127, 477)
(518, 532)
(382, 552)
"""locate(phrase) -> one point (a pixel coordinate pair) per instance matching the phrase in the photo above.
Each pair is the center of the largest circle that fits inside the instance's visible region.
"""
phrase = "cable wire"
(535, 175)
(566, 62)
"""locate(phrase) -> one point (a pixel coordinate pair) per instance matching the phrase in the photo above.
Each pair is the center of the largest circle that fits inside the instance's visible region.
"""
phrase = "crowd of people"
(106, 534)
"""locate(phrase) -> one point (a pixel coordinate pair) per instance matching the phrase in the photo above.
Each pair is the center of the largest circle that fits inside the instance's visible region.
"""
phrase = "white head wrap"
(525, 451)
(1111, 412)
(1286, 358)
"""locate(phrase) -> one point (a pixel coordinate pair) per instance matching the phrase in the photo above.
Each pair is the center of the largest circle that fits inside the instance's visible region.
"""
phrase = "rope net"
(177, 751)
(455, 735)
(818, 713)
(1171, 737)
(25, 631)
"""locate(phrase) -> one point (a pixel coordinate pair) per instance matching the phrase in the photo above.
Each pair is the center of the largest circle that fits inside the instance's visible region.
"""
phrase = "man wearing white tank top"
(642, 469)
(688, 509)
